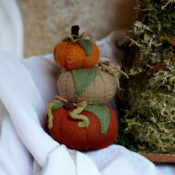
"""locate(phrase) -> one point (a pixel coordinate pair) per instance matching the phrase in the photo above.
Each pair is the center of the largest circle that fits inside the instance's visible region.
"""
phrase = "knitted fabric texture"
(102, 113)
(71, 56)
(100, 91)
(75, 114)
(86, 45)
(51, 107)
(82, 78)
(66, 131)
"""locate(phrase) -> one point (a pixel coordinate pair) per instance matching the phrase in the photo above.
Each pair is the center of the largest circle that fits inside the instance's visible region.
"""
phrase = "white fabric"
(26, 87)
(11, 28)
(26, 110)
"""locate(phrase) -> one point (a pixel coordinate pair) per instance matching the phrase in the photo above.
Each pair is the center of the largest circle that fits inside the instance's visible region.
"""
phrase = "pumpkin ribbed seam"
(61, 62)
(97, 90)
(88, 135)
(89, 93)
(111, 80)
(61, 84)
(66, 52)
(67, 46)
(84, 61)
(102, 99)
(66, 86)
(106, 87)
(101, 91)
(73, 56)
(81, 60)
(90, 58)
(63, 115)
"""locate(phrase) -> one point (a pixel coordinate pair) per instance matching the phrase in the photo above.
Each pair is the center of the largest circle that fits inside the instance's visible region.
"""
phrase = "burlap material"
(66, 131)
(100, 91)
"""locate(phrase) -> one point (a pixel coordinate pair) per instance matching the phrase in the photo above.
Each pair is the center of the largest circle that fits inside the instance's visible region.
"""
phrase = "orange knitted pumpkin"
(71, 55)
(66, 131)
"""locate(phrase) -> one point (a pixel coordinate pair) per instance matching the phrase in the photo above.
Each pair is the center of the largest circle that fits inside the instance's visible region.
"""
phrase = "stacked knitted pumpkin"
(79, 117)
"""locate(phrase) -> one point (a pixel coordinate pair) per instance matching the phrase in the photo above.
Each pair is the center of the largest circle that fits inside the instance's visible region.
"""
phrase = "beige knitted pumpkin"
(100, 91)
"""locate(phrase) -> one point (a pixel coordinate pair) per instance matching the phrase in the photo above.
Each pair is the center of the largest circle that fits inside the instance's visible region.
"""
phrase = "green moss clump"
(148, 123)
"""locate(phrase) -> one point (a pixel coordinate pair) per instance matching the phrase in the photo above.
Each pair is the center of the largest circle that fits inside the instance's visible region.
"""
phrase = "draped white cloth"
(26, 87)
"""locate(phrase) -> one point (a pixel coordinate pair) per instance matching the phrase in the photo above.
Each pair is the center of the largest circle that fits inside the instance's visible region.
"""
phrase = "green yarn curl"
(74, 114)
(51, 107)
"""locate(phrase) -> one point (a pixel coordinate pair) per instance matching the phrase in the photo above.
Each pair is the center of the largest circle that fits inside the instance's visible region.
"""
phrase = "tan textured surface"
(46, 22)
(101, 90)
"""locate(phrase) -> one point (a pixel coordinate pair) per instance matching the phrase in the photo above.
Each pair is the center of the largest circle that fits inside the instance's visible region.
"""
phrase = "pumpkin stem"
(75, 31)
(68, 106)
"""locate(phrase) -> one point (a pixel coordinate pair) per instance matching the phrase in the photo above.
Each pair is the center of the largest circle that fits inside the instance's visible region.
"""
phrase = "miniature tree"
(148, 123)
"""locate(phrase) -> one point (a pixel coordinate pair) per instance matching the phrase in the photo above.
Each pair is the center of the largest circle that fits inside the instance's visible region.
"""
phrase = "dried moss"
(148, 123)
